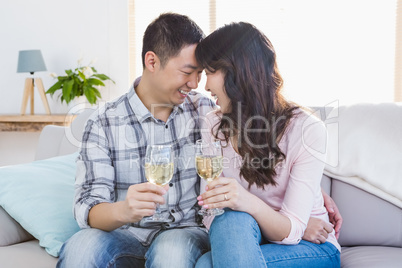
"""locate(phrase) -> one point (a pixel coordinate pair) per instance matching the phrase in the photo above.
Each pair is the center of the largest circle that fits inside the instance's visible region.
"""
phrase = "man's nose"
(193, 82)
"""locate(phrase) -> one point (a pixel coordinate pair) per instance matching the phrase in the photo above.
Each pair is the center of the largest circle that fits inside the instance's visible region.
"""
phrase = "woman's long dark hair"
(259, 113)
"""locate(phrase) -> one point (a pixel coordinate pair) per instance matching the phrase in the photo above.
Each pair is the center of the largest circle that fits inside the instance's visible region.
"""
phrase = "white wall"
(17, 147)
(64, 31)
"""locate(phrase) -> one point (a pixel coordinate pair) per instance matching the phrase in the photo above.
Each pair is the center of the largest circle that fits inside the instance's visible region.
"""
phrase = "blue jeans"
(96, 248)
(236, 241)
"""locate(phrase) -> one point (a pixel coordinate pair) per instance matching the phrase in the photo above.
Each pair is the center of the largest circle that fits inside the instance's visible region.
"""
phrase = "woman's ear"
(151, 61)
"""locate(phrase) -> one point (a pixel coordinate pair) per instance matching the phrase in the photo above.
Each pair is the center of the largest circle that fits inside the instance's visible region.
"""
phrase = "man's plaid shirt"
(112, 157)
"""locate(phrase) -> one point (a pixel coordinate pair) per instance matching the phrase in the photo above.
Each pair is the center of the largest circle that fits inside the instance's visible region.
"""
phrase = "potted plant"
(83, 81)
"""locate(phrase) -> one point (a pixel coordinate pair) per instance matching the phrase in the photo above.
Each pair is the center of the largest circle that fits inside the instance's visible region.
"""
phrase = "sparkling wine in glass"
(208, 162)
(159, 169)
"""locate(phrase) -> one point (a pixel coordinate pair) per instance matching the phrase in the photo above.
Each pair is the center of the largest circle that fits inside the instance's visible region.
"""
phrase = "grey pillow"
(10, 231)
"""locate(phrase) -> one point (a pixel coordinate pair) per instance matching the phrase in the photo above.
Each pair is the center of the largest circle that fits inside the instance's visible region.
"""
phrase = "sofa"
(371, 234)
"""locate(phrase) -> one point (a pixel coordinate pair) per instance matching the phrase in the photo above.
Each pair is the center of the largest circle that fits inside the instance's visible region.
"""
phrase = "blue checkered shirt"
(112, 157)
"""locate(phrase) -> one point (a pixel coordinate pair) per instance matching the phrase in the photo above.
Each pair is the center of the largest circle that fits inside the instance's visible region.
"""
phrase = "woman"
(273, 159)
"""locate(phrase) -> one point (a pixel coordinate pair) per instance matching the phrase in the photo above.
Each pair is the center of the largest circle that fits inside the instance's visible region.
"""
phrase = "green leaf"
(96, 92)
(103, 77)
(69, 72)
(67, 87)
(81, 74)
(94, 70)
(74, 91)
(96, 82)
(80, 85)
(53, 88)
(90, 95)
(62, 78)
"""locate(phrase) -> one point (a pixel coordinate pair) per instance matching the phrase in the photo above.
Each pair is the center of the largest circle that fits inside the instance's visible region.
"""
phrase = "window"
(327, 51)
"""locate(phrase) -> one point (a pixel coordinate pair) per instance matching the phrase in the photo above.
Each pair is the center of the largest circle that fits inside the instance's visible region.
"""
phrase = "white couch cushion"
(371, 257)
(28, 254)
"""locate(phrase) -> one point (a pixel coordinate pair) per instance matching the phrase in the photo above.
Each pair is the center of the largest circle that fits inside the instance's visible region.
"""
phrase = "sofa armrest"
(11, 232)
(367, 219)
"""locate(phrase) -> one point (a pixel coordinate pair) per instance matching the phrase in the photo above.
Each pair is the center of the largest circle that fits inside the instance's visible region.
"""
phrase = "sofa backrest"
(57, 140)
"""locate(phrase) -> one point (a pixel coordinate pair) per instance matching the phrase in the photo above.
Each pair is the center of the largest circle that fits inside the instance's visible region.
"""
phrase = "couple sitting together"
(270, 185)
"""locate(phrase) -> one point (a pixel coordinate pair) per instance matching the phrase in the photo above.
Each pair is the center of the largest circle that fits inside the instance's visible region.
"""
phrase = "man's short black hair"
(168, 34)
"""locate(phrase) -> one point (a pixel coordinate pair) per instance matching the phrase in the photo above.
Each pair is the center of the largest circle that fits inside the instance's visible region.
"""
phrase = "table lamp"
(31, 61)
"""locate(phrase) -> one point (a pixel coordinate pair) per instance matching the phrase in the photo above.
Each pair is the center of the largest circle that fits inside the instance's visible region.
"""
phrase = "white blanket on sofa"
(365, 148)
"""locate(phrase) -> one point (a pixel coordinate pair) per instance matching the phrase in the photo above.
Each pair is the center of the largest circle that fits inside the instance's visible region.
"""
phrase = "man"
(113, 199)
(112, 194)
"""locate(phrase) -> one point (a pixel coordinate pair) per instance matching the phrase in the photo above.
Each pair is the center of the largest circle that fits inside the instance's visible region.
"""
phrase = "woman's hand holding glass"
(226, 192)
(221, 192)
(208, 162)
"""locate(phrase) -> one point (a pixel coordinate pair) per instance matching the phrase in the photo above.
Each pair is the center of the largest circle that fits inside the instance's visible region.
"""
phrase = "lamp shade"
(30, 61)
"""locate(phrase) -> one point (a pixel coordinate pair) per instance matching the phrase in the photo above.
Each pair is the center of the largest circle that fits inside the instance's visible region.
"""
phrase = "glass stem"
(158, 209)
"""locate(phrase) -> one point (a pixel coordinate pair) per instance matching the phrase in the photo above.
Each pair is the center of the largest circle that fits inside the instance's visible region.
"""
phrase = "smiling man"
(113, 199)
(168, 83)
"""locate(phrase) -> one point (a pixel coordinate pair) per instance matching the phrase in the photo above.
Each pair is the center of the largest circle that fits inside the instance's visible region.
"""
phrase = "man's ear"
(151, 61)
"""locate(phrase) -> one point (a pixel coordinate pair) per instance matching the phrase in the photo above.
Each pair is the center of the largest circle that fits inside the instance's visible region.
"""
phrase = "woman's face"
(215, 84)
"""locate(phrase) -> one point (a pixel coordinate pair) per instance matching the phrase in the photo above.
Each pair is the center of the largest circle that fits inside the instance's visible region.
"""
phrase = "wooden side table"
(33, 123)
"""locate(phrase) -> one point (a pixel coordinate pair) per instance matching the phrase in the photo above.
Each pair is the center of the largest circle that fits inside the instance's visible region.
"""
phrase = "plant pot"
(78, 105)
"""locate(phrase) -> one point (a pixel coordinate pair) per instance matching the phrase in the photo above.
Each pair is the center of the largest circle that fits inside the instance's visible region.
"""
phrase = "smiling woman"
(215, 85)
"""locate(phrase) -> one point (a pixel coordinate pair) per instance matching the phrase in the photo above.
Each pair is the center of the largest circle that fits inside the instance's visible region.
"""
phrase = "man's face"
(178, 77)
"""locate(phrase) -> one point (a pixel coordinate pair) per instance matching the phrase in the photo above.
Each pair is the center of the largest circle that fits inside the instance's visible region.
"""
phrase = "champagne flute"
(159, 170)
(208, 162)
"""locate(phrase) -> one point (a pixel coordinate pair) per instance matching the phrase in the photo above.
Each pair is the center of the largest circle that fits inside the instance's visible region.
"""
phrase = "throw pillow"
(39, 196)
